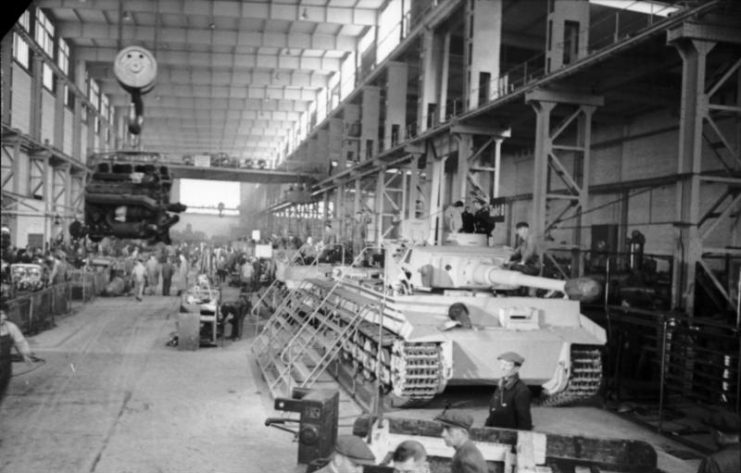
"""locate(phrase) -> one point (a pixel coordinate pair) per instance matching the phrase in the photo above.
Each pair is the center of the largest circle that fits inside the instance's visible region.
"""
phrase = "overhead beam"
(222, 91)
(206, 104)
(195, 59)
(213, 129)
(184, 75)
(180, 38)
(225, 123)
(229, 10)
(262, 115)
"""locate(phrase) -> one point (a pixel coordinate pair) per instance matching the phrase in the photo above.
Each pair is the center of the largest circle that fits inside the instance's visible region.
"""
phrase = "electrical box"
(319, 411)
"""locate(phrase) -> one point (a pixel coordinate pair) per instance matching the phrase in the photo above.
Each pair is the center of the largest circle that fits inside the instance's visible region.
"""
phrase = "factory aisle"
(113, 398)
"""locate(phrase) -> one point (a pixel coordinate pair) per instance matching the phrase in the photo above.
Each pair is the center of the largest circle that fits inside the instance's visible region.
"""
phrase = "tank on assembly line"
(128, 196)
(417, 315)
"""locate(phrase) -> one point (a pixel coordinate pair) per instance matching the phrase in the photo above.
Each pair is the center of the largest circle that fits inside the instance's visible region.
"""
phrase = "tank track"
(585, 377)
(410, 371)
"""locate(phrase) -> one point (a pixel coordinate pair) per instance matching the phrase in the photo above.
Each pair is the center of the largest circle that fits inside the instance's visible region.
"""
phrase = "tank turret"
(476, 268)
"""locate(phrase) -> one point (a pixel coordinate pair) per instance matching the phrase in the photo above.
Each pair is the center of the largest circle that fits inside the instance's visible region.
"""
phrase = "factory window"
(104, 106)
(484, 87)
(570, 41)
(47, 76)
(68, 96)
(20, 50)
(94, 93)
(63, 56)
(25, 21)
(44, 33)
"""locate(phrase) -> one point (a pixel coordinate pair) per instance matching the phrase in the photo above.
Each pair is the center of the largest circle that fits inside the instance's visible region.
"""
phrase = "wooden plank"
(628, 456)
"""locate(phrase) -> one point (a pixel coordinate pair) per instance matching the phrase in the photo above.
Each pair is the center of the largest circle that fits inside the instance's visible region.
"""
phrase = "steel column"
(6, 68)
(697, 109)
(549, 143)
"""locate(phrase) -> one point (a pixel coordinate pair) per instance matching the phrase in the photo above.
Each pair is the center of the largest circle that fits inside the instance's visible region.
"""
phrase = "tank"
(128, 196)
(413, 314)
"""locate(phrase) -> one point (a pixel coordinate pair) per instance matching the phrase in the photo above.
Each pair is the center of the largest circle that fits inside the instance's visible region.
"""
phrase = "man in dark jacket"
(467, 458)
(509, 407)
(167, 271)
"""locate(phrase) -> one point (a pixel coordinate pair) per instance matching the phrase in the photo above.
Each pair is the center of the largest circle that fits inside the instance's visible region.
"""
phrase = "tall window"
(63, 63)
(44, 36)
(104, 106)
(94, 94)
(20, 50)
(63, 56)
(20, 47)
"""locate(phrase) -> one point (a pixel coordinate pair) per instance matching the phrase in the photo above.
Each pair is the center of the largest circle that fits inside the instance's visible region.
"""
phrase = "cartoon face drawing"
(136, 68)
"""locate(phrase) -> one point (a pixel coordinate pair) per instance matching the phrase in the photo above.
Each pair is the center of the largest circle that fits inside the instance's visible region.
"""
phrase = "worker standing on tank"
(468, 457)
(509, 407)
(526, 258)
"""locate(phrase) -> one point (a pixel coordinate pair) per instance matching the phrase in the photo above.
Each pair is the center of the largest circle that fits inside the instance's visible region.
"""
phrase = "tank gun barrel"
(582, 289)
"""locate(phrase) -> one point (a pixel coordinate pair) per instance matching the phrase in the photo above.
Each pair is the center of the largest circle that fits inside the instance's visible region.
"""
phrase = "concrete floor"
(113, 398)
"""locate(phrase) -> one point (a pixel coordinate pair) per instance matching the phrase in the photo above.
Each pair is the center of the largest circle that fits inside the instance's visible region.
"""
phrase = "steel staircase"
(276, 291)
(305, 334)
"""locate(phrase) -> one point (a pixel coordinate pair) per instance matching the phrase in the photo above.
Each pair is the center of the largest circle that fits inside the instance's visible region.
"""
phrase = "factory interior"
(280, 235)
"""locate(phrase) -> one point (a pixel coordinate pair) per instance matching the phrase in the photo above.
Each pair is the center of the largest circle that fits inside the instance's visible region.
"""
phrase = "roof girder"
(181, 37)
(229, 9)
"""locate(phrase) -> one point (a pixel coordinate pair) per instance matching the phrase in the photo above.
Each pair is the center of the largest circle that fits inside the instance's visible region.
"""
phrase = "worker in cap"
(726, 428)
(409, 456)
(509, 407)
(467, 458)
(350, 454)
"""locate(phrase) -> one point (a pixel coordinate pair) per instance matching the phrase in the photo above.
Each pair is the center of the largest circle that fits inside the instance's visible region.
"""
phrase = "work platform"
(113, 397)
(257, 176)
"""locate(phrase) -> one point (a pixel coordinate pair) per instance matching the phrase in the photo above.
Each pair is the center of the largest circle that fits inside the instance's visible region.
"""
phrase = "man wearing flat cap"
(509, 407)
(726, 428)
(467, 458)
(350, 454)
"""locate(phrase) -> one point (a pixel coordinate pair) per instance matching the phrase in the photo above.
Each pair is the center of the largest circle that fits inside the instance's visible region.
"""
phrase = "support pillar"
(428, 113)
(36, 91)
(567, 33)
(77, 131)
(436, 196)
(351, 136)
(335, 145)
(555, 147)
(6, 68)
(370, 118)
(322, 150)
(396, 105)
(688, 250)
(59, 114)
(482, 40)
(444, 73)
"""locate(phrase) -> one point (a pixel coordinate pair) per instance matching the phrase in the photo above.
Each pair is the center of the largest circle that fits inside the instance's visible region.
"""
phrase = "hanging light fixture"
(305, 14)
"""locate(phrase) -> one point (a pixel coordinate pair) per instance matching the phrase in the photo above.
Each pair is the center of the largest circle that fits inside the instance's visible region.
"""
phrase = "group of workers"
(509, 408)
(351, 453)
